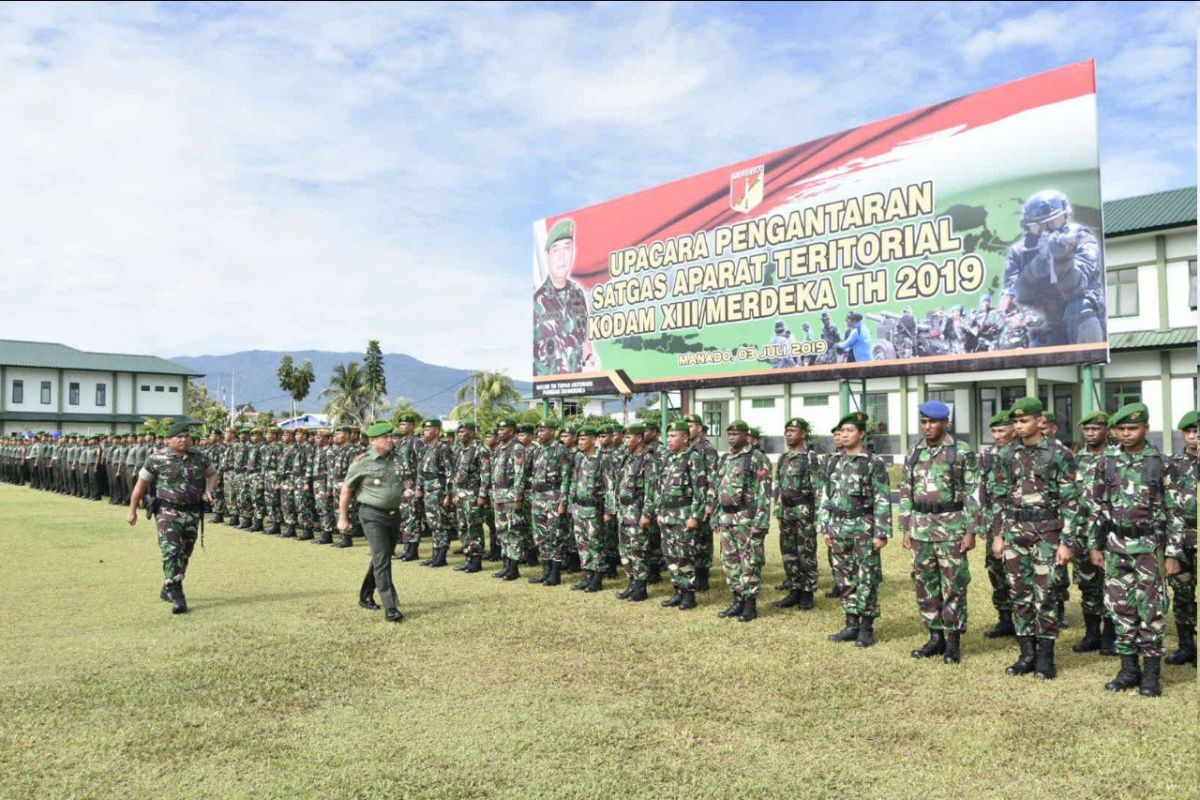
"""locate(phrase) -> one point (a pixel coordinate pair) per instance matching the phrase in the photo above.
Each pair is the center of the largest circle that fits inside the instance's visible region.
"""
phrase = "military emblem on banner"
(746, 188)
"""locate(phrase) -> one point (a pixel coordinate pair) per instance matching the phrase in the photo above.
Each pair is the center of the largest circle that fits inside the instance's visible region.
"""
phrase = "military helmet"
(1046, 207)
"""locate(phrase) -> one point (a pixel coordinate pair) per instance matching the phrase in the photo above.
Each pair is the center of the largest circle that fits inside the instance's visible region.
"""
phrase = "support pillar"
(845, 391)
(1168, 416)
(1031, 382)
(903, 413)
(1088, 379)
(662, 425)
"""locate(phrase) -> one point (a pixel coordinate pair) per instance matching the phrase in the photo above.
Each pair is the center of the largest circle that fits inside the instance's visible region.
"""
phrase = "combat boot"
(164, 595)
(806, 600)
(611, 572)
(1062, 616)
(1091, 637)
(1108, 637)
(514, 570)
(429, 560)
(439, 557)
(848, 633)
(581, 585)
(545, 573)
(463, 566)
(344, 541)
(936, 646)
(866, 632)
(1046, 669)
(178, 601)
(1151, 671)
(701, 579)
(257, 527)
(233, 522)
(953, 652)
(596, 583)
(735, 608)
(749, 610)
(306, 536)
(834, 591)
(274, 530)
(326, 538)
(673, 600)
(655, 575)
(554, 577)
(531, 560)
(493, 553)
(1003, 628)
(624, 595)
(217, 519)
(245, 523)
(474, 564)
(688, 601)
(1024, 664)
(792, 599)
(639, 592)
(573, 564)
(412, 551)
(1186, 654)
(503, 571)
(1129, 676)
(787, 585)
(288, 533)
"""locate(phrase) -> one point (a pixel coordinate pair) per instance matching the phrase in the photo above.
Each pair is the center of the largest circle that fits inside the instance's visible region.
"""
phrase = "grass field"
(278, 685)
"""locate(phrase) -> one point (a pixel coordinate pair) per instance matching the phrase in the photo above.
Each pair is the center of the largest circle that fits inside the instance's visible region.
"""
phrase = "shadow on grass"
(254, 599)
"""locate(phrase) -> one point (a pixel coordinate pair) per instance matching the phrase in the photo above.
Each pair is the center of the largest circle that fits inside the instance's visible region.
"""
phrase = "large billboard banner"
(962, 236)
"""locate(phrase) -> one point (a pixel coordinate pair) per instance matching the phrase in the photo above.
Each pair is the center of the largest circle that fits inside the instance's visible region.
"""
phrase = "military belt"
(587, 502)
(852, 513)
(791, 501)
(545, 486)
(676, 502)
(937, 508)
(1035, 514)
(1131, 530)
(391, 513)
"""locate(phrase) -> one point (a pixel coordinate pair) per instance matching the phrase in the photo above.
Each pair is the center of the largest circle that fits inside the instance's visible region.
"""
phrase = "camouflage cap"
(245, 429)
(679, 425)
(856, 418)
(563, 229)
(1026, 407)
(1188, 421)
(799, 423)
(432, 422)
(1001, 420)
(1130, 414)
(379, 429)
(1096, 417)
(738, 426)
(636, 429)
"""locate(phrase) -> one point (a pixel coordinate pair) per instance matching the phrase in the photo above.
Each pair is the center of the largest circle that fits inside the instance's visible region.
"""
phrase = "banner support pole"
(845, 390)
(1089, 389)
(662, 423)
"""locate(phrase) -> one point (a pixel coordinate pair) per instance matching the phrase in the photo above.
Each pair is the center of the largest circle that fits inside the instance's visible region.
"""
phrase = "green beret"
(547, 423)
(256, 430)
(491, 432)
(1026, 407)
(468, 425)
(525, 427)
(856, 418)
(431, 423)
(177, 429)
(678, 425)
(1003, 419)
(570, 428)
(1132, 414)
(379, 429)
(346, 428)
(617, 429)
(563, 229)
(756, 433)
(738, 426)
(636, 429)
(321, 432)
(245, 429)
(587, 430)
(797, 422)
(1096, 417)
(275, 429)
(1049, 416)
(507, 422)
(1188, 421)
(696, 418)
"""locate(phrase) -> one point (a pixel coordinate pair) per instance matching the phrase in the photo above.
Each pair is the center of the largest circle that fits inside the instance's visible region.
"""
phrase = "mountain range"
(251, 376)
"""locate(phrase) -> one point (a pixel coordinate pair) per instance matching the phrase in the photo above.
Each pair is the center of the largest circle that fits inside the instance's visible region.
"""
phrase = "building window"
(159, 388)
(1010, 395)
(1117, 394)
(101, 395)
(570, 408)
(173, 389)
(73, 394)
(1192, 284)
(762, 402)
(714, 418)
(1122, 292)
(18, 392)
(45, 393)
(816, 400)
(876, 406)
(145, 387)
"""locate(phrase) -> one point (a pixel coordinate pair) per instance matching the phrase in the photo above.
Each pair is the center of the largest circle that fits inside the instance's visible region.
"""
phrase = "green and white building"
(46, 386)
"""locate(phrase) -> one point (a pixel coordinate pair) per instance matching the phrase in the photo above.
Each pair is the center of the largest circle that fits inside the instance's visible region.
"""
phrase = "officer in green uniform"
(373, 480)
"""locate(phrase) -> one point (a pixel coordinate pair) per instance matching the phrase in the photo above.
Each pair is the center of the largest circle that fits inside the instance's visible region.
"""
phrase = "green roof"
(120, 419)
(1152, 340)
(1150, 212)
(14, 353)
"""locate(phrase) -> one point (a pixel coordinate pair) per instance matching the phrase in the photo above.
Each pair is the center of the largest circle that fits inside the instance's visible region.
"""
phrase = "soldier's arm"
(1173, 520)
(778, 487)
(906, 484)
(700, 485)
(973, 495)
(1074, 533)
(882, 516)
(761, 518)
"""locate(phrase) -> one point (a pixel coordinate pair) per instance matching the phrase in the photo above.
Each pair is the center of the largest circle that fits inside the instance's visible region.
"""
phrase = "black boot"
(216, 520)
(493, 553)
(439, 557)
(611, 572)
(326, 538)
(688, 601)
(306, 536)
(1091, 637)
(806, 600)
(178, 601)
(257, 527)
(1003, 628)
(554, 576)
(1046, 669)
(735, 608)
(289, 532)
(934, 647)
(582, 584)
(953, 651)
(1108, 637)
(639, 592)
(545, 574)
(1186, 654)
(1024, 664)
(749, 610)
(848, 633)
(701, 579)
(514, 570)
(1062, 617)
(344, 541)
(1151, 671)
(474, 564)
(866, 632)
(164, 595)
(596, 583)
(624, 595)
(834, 591)
(531, 560)
(673, 600)
(1129, 676)
(233, 522)
(274, 530)
(573, 564)
(412, 551)
(792, 599)
(503, 572)
(655, 575)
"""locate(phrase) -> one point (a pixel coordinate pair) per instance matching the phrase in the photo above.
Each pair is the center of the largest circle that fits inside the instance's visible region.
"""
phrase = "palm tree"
(489, 394)
(348, 394)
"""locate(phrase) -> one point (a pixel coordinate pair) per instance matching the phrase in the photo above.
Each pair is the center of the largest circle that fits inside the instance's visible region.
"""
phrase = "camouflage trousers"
(742, 559)
(470, 522)
(508, 521)
(633, 544)
(176, 541)
(679, 546)
(798, 546)
(286, 500)
(857, 571)
(1088, 577)
(252, 502)
(233, 494)
(589, 539)
(566, 534)
(273, 498)
(437, 520)
(526, 527)
(325, 509)
(704, 545)
(941, 576)
(544, 519)
(654, 554)
(412, 521)
(1136, 599)
(219, 505)
(1001, 598)
(1029, 567)
(1183, 590)
(306, 511)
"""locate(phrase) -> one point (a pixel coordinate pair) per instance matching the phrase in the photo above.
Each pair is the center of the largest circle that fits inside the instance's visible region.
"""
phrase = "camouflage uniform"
(1184, 469)
(796, 479)
(856, 507)
(302, 488)
(321, 472)
(276, 465)
(559, 328)
(704, 534)
(549, 480)
(989, 470)
(1087, 576)
(236, 477)
(505, 483)
(585, 498)
(679, 494)
(179, 483)
(625, 500)
(408, 461)
(741, 499)
(434, 472)
(253, 505)
(467, 482)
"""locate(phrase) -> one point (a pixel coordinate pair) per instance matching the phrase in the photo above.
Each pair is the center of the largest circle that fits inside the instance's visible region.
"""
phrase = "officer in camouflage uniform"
(677, 502)
(433, 487)
(566, 529)
(504, 481)
(525, 438)
(1185, 468)
(274, 460)
(1035, 531)
(491, 439)
(302, 487)
(408, 460)
(856, 512)
(220, 495)
(234, 476)
(1130, 502)
(1062, 576)
(585, 504)
(341, 466)
(466, 482)
(655, 561)
(549, 479)
(1099, 631)
(182, 481)
(703, 552)
(252, 507)
(739, 502)
(828, 464)
(939, 513)
(322, 492)
(989, 468)
(611, 444)
(634, 471)
(795, 508)
(560, 340)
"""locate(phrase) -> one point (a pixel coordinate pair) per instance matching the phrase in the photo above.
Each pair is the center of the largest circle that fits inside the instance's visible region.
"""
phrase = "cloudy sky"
(208, 177)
